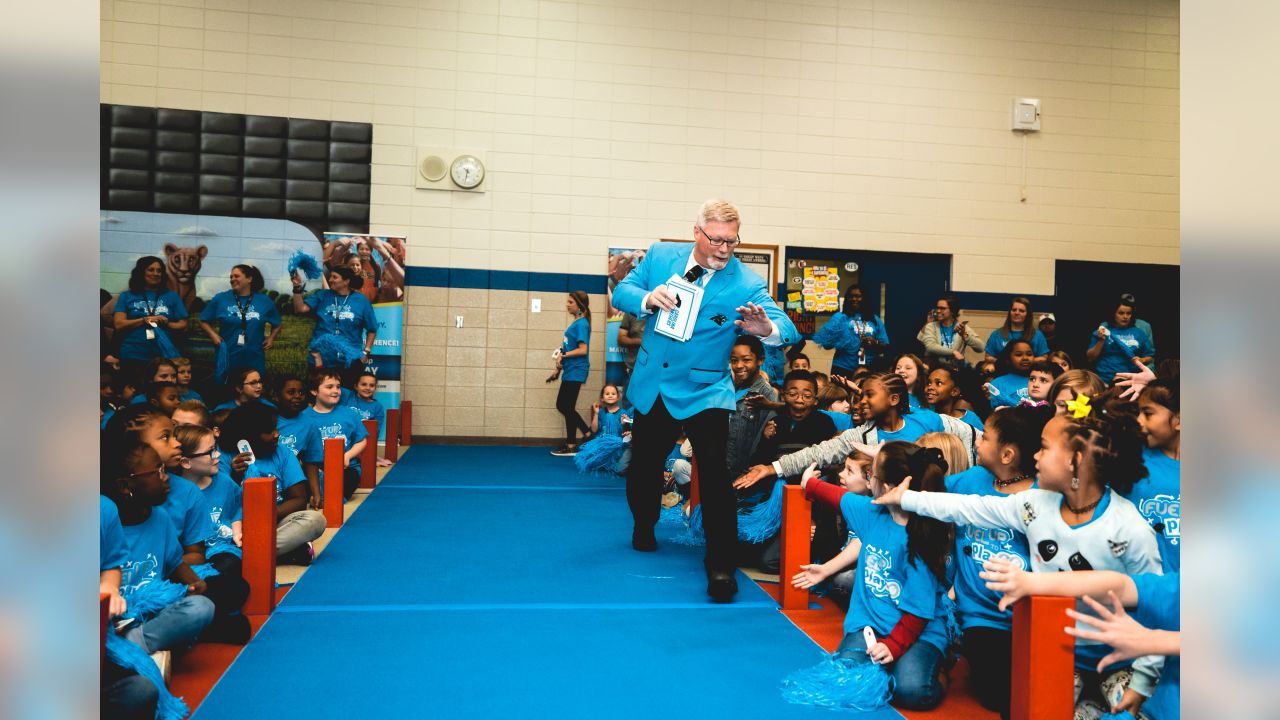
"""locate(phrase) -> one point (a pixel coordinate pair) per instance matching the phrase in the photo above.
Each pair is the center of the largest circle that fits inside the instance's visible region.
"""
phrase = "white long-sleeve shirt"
(1117, 538)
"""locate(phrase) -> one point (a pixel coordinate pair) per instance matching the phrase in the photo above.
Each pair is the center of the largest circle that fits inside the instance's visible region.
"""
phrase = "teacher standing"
(686, 384)
(242, 314)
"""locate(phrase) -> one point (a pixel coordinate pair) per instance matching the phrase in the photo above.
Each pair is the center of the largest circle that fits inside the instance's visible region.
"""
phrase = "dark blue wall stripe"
(419, 276)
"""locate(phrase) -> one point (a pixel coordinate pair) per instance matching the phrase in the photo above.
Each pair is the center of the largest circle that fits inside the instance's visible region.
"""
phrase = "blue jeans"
(127, 695)
(915, 674)
(176, 627)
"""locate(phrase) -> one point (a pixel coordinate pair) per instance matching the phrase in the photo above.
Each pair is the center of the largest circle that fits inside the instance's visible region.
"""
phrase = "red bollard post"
(333, 451)
(796, 520)
(369, 456)
(695, 496)
(406, 422)
(1043, 659)
(259, 563)
(393, 434)
(104, 617)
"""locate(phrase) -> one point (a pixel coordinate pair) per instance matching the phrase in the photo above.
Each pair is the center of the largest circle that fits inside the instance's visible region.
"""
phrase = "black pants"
(567, 404)
(990, 655)
(350, 481)
(228, 589)
(652, 437)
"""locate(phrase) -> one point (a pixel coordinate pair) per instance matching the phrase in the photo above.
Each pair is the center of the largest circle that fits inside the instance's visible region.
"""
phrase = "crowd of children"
(171, 516)
(942, 481)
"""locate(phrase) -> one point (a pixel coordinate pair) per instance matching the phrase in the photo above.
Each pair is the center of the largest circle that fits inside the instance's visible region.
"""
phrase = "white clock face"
(467, 171)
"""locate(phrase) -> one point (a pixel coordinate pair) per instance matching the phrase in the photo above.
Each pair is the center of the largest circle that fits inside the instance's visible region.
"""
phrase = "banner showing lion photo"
(198, 253)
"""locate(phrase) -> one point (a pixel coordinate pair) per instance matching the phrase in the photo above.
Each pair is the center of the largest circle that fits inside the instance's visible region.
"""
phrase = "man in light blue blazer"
(686, 385)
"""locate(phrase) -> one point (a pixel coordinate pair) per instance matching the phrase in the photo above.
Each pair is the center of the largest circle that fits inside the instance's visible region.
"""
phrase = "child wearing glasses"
(217, 500)
(246, 384)
(133, 476)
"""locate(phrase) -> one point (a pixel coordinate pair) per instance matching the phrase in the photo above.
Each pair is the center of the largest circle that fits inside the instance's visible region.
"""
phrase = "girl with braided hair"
(1076, 519)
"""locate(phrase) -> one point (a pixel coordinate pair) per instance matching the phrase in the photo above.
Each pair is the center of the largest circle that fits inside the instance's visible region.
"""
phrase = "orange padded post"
(796, 517)
(259, 563)
(369, 456)
(1043, 660)
(406, 422)
(332, 490)
(104, 605)
(393, 434)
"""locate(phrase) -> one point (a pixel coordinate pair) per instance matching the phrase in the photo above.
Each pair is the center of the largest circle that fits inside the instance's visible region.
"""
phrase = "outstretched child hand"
(770, 429)
(1134, 382)
(893, 496)
(810, 473)
(809, 576)
(753, 476)
(1115, 627)
(1001, 576)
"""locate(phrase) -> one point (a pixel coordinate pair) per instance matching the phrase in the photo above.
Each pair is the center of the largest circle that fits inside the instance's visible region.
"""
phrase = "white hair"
(717, 210)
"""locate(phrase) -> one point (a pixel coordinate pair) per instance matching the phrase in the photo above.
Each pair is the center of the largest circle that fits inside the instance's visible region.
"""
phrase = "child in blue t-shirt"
(902, 574)
(1158, 496)
(296, 525)
(245, 384)
(609, 449)
(332, 420)
(1012, 388)
(1006, 465)
(360, 398)
(135, 479)
(113, 552)
(182, 368)
(912, 371)
(201, 488)
(944, 392)
(1016, 324)
(297, 432)
(573, 365)
(833, 401)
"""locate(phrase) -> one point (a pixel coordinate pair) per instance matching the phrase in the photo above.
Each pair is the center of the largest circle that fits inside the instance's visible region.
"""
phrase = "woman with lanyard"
(1016, 324)
(242, 314)
(945, 337)
(146, 312)
(342, 317)
(856, 334)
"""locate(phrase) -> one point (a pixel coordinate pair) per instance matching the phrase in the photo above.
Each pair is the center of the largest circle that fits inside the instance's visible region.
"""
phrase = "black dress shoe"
(643, 540)
(721, 586)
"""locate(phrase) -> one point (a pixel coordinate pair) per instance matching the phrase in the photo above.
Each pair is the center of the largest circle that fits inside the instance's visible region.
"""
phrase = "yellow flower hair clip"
(1080, 407)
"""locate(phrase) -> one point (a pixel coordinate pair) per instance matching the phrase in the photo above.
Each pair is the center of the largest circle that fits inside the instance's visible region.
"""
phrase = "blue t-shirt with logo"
(997, 342)
(915, 424)
(1122, 346)
(349, 316)
(283, 467)
(238, 316)
(299, 434)
(1013, 389)
(224, 501)
(154, 552)
(365, 409)
(136, 346)
(185, 508)
(887, 585)
(575, 368)
(975, 545)
(1158, 496)
(113, 550)
(341, 422)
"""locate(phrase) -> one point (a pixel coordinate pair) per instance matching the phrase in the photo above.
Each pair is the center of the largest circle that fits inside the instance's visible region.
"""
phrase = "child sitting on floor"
(183, 367)
(332, 420)
(609, 449)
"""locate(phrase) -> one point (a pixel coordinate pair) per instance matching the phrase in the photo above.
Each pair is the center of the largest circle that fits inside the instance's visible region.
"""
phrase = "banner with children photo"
(231, 281)
(618, 358)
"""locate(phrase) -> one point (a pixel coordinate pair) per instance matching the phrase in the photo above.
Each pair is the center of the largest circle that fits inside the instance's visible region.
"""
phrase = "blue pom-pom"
(672, 515)
(336, 350)
(309, 266)
(840, 683)
(692, 534)
(761, 522)
(167, 348)
(222, 361)
(600, 454)
(146, 600)
(1122, 715)
(131, 657)
(952, 624)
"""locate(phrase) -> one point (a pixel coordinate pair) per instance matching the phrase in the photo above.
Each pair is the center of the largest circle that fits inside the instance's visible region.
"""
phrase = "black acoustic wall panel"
(314, 172)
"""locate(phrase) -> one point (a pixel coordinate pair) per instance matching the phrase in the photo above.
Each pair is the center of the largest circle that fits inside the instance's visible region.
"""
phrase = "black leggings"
(990, 655)
(228, 589)
(567, 404)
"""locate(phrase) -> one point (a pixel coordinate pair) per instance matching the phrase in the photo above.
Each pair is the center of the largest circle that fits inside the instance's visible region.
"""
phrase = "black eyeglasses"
(720, 242)
(211, 452)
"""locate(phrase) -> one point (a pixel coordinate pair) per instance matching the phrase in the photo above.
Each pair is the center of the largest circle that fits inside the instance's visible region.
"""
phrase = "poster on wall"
(815, 290)
(621, 261)
(763, 261)
(379, 260)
